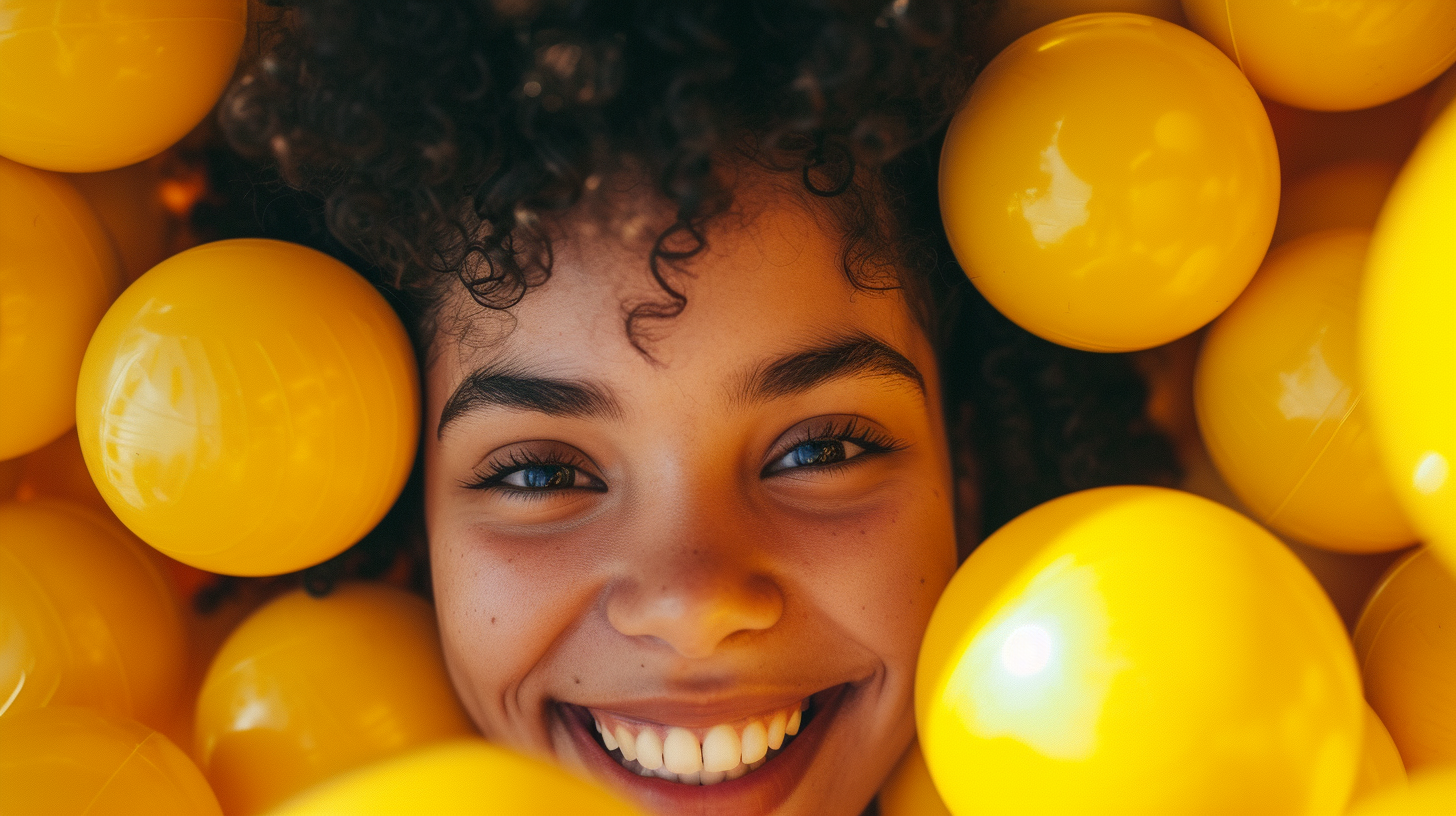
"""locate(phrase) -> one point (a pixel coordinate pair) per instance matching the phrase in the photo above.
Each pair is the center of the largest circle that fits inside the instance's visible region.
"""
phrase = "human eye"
(535, 473)
(829, 443)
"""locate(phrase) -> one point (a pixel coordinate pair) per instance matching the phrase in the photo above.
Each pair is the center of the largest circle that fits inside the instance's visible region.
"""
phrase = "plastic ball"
(249, 407)
(910, 791)
(1331, 56)
(10, 472)
(1432, 793)
(1345, 194)
(95, 85)
(1110, 183)
(58, 273)
(1137, 650)
(85, 616)
(1015, 18)
(1279, 401)
(466, 777)
(67, 760)
(1408, 340)
(129, 203)
(1443, 92)
(1381, 767)
(58, 471)
(1406, 640)
(309, 687)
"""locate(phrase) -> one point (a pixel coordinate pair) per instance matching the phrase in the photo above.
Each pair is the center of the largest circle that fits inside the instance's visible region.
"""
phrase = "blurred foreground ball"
(71, 760)
(1408, 338)
(309, 687)
(58, 273)
(85, 617)
(1111, 182)
(1332, 56)
(1406, 640)
(1381, 767)
(1131, 650)
(95, 85)
(457, 778)
(249, 407)
(1279, 401)
(1432, 793)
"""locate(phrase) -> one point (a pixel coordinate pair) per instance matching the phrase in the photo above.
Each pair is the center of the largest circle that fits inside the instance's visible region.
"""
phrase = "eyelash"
(496, 472)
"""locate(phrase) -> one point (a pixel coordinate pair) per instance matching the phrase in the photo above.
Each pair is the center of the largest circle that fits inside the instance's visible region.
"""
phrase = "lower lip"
(754, 793)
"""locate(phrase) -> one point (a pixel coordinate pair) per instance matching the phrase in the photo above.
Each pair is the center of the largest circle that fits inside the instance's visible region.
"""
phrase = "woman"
(705, 400)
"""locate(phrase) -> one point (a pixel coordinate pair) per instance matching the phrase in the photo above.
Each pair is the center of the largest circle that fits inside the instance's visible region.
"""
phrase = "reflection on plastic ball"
(306, 688)
(1111, 182)
(1406, 640)
(249, 407)
(457, 777)
(1015, 18)
(1345, 194)
(1381, 767)
(910, 791)
(58, 273)
(1279, 402)
(73, 760)
(85, 617)
(1137, 650)
(1429, 793)
(1332, 56)
(95, 85)
(1408, 339)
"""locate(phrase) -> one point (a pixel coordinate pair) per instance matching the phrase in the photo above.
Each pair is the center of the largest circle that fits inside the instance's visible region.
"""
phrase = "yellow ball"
(1111, 182)
(85, 617)
(71, 760)
(1429, 794)
(1279, 402)
(1343, 194)
(249, 407)
(1331, 56)
(1130, 650)
(58, 273)
(1014, 18)
(1381, 767)
(95, 85)
(468, 777)
(1408, 339)
(1406, 641)
(307, 688)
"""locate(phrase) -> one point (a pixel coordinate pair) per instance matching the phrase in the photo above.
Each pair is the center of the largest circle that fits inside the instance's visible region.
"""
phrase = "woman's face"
(722, 553)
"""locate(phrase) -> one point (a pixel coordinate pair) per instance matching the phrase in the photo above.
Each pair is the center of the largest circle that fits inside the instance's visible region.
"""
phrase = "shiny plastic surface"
(58, 273)
(1344, 194)
(249, 407)
(128, 201)
(1331, 56)
(85, 617)
(910, 791)
(1432, 793)
(67, 760)
(1280, 403)
(1406, 641)
(1111, 182)
(1408, 339)
(95, 85)
(1130, 650)
(307, 688)
(1015, 18)
(1381, 767)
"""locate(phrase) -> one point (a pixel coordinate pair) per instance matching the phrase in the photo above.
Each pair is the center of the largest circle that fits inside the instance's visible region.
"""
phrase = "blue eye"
(817, 452)
(524, 473)
(542, 477)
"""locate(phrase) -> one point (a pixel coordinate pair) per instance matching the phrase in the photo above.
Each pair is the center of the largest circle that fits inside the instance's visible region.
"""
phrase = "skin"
(695, 573)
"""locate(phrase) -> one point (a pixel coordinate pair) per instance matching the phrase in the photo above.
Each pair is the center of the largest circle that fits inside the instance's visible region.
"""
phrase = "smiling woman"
(709, 413)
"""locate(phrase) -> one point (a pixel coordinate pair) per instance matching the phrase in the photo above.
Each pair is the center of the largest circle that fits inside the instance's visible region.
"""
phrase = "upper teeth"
(699, 756)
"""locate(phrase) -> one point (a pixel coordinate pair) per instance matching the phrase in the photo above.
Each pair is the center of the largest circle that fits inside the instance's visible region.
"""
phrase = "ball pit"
(1110, 183)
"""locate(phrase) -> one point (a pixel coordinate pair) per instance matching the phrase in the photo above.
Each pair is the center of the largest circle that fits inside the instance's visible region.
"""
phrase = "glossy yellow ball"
(465, 777)
(58, 273)
(308, 688)
(1432, 793)
(86, 618)
(1331, 56)
(95, 85)
(1279, 401)
(1408, 339)
(1343, 194)
(1131, 650)
(1111, 182)
(1016, 18)
(249, 407)
(66, 760)
(1406, 641)
(1381, 767)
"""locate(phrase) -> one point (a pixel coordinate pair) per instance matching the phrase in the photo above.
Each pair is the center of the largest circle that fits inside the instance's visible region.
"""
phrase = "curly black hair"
(423, 140)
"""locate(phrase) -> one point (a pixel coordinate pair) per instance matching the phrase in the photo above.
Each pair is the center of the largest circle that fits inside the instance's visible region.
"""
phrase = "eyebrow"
(498, 387)
(856, 355)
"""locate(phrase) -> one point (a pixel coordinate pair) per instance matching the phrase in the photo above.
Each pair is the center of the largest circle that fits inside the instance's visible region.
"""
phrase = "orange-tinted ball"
(309, 687)
(1381, 767)
(1344, 194)
(95, 85)
(86, 617)
(58, 273)
(66, 760)
(1279, 401)
(1406, 642)
(58, 471)
(910, 791)
(1111, 182)
(249, 407)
